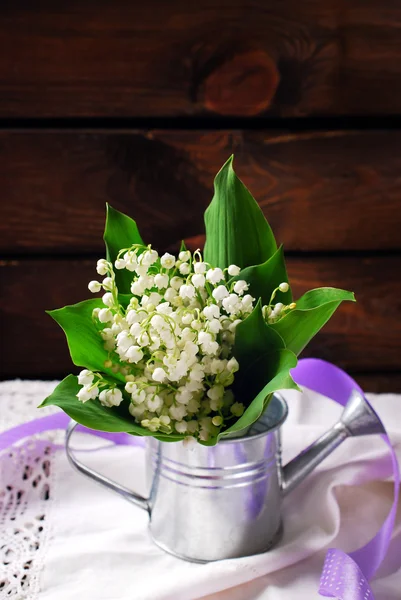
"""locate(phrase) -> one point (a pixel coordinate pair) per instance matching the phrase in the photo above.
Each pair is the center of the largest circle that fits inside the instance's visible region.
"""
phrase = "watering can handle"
(358, 418)
(105, 481)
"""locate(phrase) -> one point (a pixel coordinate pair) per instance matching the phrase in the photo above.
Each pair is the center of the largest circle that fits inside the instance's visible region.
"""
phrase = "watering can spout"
(358, 418)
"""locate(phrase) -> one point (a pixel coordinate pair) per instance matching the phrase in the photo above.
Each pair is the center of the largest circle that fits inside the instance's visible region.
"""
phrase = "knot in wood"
(242, 85)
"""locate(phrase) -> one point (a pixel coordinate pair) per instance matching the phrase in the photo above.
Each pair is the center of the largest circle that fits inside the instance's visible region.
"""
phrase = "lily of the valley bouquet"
(191, 345)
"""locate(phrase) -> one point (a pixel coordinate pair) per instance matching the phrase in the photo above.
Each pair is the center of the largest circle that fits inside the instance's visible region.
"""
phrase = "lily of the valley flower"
(173, 343)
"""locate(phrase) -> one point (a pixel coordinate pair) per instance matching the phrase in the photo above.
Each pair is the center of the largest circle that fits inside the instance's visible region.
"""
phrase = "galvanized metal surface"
(214, 502)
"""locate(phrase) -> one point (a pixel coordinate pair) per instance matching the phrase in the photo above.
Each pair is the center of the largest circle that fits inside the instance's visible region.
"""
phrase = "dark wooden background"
(139, 104)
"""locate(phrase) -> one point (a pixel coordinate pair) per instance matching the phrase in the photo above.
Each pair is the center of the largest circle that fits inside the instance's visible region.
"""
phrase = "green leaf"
(92, 414)
(120, 232)
(83, 338)
(313, 310)
(265, 278)
(236, 229)
(258, 350)
(277, 365)
(264, 368)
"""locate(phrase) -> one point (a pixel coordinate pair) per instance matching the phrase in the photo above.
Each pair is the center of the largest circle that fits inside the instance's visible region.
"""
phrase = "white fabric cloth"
(69, 539)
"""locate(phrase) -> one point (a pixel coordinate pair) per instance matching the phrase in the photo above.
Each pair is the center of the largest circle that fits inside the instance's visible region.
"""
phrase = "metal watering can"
(209, 503)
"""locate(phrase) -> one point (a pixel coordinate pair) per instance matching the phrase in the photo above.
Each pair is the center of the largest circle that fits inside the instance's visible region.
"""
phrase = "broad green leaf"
(313, 310)
(253, 339)
(236, 229)
(84, 341)
(120, 232)
(265, 278)
(278, 366)
(264, 368)
(92, 414)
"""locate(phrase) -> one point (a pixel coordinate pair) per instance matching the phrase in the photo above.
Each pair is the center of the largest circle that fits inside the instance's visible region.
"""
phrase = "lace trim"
(26, 492)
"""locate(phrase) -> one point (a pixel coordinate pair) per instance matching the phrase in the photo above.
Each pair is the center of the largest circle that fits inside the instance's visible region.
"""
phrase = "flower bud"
(108, 283)
(94, 286)
(233, 270)
(102, 266)
(232, 365)
(120, 263)
(184, 255)
(278, 308)
(237, 409)
(108, 299)
(284, 287)
(105, 315)
(184, 268)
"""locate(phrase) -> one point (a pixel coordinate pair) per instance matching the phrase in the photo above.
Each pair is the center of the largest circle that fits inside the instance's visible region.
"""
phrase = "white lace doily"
(26, 476)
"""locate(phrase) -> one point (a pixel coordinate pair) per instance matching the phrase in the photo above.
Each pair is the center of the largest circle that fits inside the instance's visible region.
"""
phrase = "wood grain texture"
(362, 337)
(379, 383)
(321, 191)
(289, 58)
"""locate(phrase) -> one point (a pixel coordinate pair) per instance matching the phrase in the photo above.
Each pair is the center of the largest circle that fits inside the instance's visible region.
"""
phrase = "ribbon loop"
(354, 570)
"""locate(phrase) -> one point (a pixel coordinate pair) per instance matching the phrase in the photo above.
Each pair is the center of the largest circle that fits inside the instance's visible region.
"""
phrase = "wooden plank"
(379, 383)
(286, 58)
(363, 337)
(320, 190)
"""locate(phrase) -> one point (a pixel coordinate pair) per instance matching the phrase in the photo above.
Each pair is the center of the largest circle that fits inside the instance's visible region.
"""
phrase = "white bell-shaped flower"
(85, 377)
(161, 281)
(198, 280)
(215, 275)
(240, 287)
(220, 293)
(187, 291)
(105, 315)
(167, 261)
(134, 354)
(200, 268)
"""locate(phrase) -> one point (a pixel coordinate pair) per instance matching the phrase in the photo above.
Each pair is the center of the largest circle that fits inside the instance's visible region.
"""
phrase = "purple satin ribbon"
(59, 421)
(345, 576)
